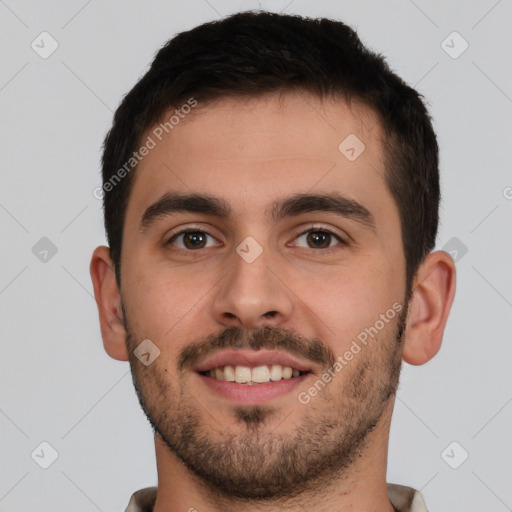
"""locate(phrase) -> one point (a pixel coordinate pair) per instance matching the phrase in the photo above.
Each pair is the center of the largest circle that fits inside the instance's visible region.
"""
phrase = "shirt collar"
(403, 499)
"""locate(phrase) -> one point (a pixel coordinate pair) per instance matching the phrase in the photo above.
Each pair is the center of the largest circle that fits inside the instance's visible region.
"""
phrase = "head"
(258, 130)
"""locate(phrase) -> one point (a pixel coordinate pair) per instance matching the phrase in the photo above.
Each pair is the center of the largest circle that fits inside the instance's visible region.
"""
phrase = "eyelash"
(298, 235)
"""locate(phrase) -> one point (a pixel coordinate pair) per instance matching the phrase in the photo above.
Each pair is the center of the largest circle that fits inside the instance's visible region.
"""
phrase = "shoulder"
(406, 499)
(142, 500)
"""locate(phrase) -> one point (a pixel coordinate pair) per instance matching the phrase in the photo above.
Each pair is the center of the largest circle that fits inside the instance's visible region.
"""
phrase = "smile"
(252, 377)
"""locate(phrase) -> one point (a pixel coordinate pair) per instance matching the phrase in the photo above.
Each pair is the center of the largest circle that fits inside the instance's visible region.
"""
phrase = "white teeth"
(229, 373)
(242, 374)
(287, 372)
(257, 375)
(276, 372)
(260, 374)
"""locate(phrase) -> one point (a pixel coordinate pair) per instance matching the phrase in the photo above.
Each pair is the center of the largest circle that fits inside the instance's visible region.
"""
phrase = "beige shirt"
(403, 499)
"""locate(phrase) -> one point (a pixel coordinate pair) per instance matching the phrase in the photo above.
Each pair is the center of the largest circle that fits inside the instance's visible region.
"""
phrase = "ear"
(431, 300)
(108, 300)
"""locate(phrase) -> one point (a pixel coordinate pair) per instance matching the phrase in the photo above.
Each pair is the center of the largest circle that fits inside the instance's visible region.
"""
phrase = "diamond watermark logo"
(455, 248)
(454, 45)
(249, 250)
(454, 455)
(146, 352)
(44, 250)
(44, 455)
(351, 147)
(44, 45)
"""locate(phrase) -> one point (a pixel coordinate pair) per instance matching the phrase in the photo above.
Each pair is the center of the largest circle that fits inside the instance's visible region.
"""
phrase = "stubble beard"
(259, 463)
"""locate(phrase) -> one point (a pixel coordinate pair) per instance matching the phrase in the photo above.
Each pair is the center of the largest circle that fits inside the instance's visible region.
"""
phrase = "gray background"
(59, 386)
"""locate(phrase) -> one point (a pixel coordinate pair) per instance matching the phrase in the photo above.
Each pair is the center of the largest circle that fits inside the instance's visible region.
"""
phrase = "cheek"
(161, 304)
(346, 302)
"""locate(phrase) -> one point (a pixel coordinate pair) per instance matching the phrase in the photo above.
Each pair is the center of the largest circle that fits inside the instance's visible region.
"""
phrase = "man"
(271, 196)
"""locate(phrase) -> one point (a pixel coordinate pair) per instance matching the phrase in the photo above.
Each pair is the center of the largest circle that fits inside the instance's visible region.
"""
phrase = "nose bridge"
(251, 294)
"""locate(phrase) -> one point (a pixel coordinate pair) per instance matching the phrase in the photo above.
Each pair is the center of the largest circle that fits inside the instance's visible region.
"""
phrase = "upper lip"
(251, 358)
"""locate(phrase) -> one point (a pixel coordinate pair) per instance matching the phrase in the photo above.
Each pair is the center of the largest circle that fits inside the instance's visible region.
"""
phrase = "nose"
(252, 295)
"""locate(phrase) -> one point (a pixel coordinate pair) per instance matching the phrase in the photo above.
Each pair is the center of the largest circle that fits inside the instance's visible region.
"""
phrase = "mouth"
(249, 377)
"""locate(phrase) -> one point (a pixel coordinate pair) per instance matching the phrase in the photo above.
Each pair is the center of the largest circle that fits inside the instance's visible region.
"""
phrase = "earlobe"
(108, 300)
(430, 304)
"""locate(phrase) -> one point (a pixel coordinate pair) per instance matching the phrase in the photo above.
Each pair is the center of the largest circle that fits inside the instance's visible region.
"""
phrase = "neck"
(361, 487)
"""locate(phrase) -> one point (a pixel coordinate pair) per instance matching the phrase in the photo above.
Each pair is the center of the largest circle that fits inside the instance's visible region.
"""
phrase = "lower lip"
(254, 394)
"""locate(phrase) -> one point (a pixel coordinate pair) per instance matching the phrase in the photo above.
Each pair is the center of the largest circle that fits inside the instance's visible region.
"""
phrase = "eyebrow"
(297, 204)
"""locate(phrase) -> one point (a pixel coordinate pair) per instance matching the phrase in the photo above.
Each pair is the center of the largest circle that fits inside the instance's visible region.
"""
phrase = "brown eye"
(319, 239)
(190, 239)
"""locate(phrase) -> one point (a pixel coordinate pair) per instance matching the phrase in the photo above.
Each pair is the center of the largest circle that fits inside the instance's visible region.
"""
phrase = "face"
(274, 291)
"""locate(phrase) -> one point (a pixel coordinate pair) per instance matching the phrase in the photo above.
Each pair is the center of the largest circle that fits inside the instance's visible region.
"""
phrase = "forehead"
(252, 151)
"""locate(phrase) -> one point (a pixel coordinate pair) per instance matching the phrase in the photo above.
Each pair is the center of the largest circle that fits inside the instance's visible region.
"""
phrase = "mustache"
(267, 337)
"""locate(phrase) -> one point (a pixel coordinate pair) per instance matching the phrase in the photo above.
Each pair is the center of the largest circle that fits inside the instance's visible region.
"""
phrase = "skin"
(251, 153)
